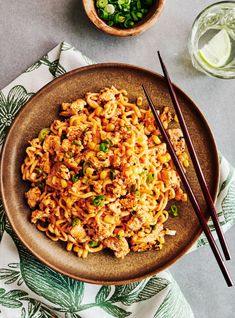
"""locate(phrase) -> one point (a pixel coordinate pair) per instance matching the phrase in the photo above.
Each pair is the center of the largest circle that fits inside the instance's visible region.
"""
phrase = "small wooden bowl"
(141, 26)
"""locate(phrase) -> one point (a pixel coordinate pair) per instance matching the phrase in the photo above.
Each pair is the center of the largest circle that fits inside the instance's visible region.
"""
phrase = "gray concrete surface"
(28, 29)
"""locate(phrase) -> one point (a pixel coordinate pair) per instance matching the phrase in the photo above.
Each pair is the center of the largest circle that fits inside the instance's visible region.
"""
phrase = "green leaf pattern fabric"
(225, 203)
(30, 289)
(9, 106)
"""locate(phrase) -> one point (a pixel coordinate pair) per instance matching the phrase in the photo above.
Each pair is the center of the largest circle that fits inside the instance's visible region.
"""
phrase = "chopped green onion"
(174, 210)
(104, 146)
(144, 11)
(113, 174)
(68, 154)
(121, 2)
(139, 15)
(143, 172)
(101, 3)
(81, 172)
(134, 16)
(124, 4)
(94, 244)
(38, 171)
(75, 222)
(40, 184)
(110, 23)
(128, 23)
(43, 133)
(150, 178)
(98, 200)
(123, 13)
(104, 15)
(75, 177)
(77, 142)
(119, 18)
(110, 9)
(154, 227)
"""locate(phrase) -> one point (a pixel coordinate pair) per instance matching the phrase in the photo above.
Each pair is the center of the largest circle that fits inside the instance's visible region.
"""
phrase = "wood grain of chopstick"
(195, 161)
(190, 193)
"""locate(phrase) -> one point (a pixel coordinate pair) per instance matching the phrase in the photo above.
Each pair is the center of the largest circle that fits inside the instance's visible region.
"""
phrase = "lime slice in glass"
(217, 51)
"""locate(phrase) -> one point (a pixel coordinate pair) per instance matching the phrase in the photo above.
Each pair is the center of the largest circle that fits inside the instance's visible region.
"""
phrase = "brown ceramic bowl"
(141, 26)
(40, 111)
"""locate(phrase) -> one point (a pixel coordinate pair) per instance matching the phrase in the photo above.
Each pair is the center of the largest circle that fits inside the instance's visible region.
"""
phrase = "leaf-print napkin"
(30, 289)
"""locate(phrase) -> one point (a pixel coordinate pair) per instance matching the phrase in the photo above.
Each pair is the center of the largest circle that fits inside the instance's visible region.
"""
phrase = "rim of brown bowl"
(5, 203)
(141, 26)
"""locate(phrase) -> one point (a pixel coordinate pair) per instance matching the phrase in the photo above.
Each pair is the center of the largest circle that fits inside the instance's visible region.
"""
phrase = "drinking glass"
(209, 22)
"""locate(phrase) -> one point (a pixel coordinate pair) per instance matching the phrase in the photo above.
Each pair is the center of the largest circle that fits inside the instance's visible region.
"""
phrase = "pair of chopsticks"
(200, 176)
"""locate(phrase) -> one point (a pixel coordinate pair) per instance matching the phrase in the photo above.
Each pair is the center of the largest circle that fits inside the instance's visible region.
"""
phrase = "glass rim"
(210, 6)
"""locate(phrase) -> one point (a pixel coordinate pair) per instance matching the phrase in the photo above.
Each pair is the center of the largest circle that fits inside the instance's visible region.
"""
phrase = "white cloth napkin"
(29, 289)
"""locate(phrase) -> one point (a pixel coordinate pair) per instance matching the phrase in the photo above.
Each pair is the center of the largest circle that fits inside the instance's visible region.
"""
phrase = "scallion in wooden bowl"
(123, 13)
(123, 17)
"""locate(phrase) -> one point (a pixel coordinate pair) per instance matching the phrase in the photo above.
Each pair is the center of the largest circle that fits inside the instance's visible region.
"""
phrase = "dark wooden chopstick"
(196, 163)
(190, 193)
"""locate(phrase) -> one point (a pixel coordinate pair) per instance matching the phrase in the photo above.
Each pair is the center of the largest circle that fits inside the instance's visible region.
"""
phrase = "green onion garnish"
(68, 154)
(75, 222)
(104, 146)
(38, 171)
(150, 178)
(75, 177)
(101, 3)
(77, 142)
(138, 4)
(174, 210)
(94, 244)
(104, 15)
(43, 133)
(113, 174)
(40, 184)
(98, 200)
(143, 172)
(123, 13)
(110, 9)
(110, 23)
(84, 164)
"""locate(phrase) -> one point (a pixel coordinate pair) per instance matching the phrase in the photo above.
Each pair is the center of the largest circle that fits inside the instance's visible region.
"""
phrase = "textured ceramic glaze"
(141, 26)
(40, 111)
